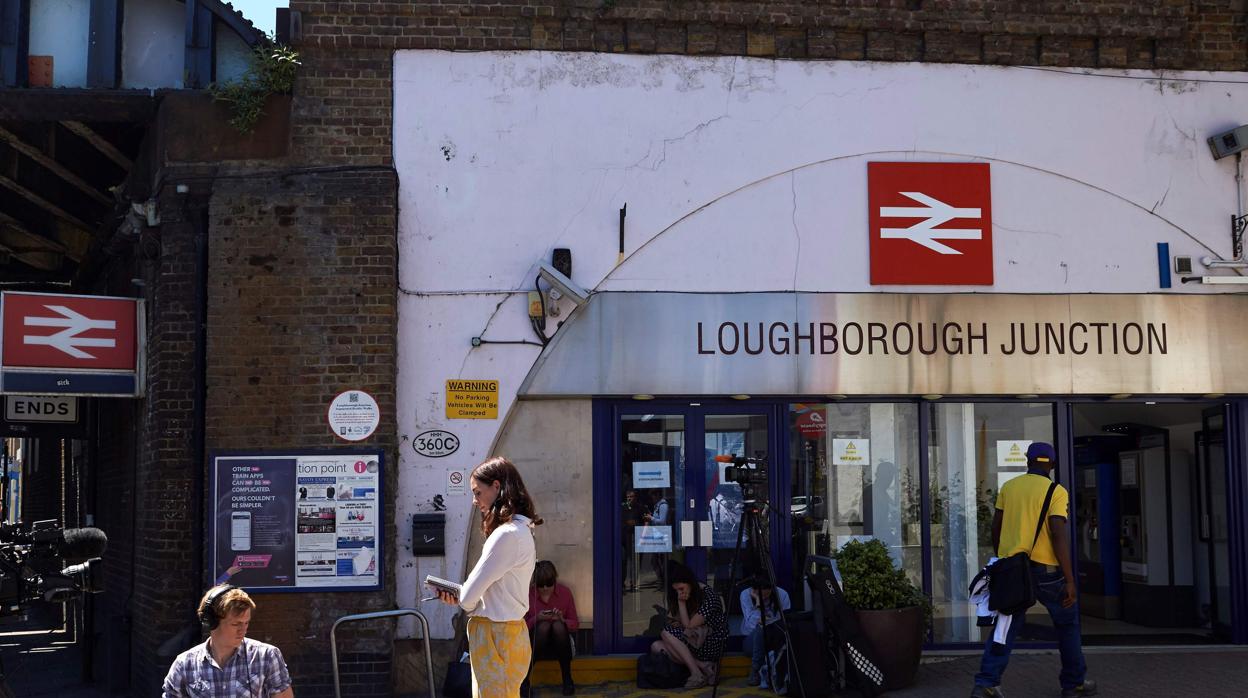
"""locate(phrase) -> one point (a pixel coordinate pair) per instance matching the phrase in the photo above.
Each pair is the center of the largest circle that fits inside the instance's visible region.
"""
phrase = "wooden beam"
(108, 149)
(37, 155)
(78, 104)
(28, 248)
(18, 228)
(75, 240)
(43, 203)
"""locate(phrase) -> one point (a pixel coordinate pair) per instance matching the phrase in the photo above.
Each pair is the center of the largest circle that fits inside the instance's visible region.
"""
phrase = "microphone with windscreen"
(41, 561)
(78, 544)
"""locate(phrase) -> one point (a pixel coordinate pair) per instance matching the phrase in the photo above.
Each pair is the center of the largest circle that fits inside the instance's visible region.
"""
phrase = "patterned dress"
(712, 611)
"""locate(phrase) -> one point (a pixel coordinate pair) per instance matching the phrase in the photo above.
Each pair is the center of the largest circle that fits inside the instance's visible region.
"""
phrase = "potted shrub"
(893, 612)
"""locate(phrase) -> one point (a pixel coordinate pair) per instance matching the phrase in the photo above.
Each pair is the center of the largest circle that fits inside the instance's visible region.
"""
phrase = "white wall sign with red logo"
(931, 223)
(71, 345)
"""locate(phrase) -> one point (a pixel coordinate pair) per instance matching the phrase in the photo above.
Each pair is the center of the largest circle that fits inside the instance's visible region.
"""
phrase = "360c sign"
(435, 443)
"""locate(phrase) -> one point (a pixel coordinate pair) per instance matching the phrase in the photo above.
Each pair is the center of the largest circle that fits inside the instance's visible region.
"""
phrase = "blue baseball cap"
(1040, 452)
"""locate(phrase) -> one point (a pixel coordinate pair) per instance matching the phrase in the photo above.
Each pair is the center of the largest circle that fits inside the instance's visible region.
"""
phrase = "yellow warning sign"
(1012, 454)
(851, 451)
(471, 399)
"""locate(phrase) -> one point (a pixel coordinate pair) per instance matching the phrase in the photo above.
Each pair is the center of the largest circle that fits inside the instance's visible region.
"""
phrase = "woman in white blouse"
(496, 593)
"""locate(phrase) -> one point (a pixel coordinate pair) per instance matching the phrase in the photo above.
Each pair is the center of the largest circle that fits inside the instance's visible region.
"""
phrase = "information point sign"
(298, 521)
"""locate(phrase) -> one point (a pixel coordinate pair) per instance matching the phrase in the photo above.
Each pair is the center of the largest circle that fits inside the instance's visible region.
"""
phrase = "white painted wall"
(727, 162)
(153, 52)
(61, 29)
(233, 55)
(750, 175)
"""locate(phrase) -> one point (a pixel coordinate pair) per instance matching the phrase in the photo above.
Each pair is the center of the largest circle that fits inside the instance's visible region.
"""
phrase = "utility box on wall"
(428, 534)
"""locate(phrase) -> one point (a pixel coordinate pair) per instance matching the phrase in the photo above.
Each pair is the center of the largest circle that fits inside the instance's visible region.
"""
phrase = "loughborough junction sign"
(56, 344)
(897, 344)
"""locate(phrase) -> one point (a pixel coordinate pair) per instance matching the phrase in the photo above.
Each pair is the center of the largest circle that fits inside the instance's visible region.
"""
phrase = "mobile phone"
(240, 530)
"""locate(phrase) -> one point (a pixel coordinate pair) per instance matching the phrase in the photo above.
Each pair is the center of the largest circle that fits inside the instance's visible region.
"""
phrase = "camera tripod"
(752, 518)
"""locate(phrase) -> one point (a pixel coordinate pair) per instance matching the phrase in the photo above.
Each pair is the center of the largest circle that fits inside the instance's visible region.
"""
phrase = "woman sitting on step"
(697, 628)
(552, 620)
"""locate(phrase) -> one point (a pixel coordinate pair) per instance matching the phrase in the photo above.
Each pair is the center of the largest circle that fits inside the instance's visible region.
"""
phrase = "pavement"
(46, 664)
(1156, 672)
(36, 662)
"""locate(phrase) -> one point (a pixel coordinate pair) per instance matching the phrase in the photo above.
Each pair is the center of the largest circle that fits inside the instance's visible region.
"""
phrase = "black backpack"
(659, 671)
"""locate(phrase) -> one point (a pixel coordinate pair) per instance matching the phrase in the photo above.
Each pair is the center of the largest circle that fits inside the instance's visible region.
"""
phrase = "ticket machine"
(1155, 529)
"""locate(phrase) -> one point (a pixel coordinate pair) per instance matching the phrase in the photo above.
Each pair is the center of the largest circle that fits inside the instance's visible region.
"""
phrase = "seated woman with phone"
(552, 620)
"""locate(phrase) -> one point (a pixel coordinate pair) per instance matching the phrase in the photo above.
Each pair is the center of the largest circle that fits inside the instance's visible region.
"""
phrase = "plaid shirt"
(256, 670)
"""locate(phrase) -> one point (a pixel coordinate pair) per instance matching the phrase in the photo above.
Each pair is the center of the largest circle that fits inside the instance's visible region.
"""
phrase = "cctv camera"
(566, 286)
(1229, 142)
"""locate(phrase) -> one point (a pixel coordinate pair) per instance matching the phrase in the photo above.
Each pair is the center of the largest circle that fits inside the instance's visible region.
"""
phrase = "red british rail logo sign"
(931, 223)
(66, 344)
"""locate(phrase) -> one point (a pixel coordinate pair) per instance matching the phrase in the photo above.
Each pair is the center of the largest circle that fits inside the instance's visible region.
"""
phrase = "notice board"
(298, 521)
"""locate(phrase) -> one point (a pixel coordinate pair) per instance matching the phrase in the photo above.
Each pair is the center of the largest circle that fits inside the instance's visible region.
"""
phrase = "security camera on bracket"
(1232, 142)
(561, 283)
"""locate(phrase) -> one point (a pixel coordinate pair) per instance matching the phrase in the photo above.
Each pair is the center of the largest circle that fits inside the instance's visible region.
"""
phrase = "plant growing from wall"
(271, 72)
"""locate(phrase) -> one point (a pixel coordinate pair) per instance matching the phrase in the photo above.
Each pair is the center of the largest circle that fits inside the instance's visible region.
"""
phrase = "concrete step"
(596, 669)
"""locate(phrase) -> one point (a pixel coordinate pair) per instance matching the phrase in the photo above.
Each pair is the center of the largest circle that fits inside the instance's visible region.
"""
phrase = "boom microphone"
(79, 544)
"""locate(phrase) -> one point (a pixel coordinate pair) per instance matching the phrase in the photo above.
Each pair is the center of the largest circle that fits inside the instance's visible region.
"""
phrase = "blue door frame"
(606, 439)
(607, 495)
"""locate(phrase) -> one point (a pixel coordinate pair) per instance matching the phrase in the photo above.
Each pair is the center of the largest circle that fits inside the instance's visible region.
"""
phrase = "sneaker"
(1087, 688)
(987, 692)
(754, 678)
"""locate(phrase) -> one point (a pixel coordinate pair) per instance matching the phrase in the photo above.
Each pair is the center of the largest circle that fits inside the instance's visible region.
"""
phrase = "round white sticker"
(354, 415)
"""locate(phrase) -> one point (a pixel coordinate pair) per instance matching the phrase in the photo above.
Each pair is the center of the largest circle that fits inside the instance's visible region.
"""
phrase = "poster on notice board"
(299, 521)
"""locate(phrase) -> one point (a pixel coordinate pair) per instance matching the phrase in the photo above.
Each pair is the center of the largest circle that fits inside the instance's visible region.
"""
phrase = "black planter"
(897, 637)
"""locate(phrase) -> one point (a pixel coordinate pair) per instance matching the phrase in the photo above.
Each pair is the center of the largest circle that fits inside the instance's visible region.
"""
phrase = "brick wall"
(115, 479)
(343, 96)
(41, 490)
(167, 525)
(302, 306)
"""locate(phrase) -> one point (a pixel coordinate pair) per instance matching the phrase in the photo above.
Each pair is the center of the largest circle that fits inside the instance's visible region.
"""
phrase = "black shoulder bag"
(1010, 587)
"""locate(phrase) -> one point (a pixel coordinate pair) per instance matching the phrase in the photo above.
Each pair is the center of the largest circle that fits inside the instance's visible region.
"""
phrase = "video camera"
(750, 474)
(33, 561)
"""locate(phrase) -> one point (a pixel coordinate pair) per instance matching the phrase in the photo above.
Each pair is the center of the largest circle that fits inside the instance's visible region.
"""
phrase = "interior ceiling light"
(837, 397)
(1027, 396)
(740, 396)
(1213, 396)
(1120, 396)
(643, 396)
(932, 396)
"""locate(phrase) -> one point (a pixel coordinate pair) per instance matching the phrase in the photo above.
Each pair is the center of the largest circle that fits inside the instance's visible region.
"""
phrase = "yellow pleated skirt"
(500, 654)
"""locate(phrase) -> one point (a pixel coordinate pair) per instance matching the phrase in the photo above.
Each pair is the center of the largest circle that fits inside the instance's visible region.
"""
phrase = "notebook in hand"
(440, 584)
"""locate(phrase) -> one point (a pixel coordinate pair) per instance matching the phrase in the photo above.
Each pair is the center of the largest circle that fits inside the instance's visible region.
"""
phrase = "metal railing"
(424, 629)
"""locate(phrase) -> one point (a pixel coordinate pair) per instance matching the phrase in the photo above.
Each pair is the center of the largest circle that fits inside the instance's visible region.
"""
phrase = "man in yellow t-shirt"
(1019, 505)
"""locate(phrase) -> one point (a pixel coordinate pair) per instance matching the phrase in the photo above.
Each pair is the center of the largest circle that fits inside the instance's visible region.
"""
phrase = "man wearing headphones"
(228, 663)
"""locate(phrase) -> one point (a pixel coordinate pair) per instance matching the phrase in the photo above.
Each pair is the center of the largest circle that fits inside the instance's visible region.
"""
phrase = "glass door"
(652, 480)
(973, 449)
(735, 522)
(1212, 517)
(676, 505)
